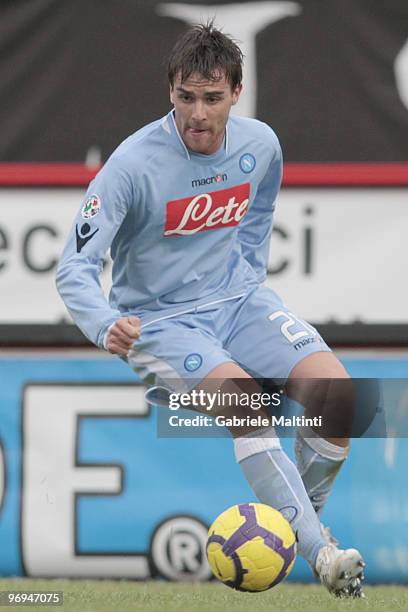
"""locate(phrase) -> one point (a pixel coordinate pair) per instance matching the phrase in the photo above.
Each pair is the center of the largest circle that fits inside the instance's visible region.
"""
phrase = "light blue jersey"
(185, 229)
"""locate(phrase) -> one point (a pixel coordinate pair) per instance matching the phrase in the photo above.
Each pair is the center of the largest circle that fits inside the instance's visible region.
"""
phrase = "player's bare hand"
(122, 335)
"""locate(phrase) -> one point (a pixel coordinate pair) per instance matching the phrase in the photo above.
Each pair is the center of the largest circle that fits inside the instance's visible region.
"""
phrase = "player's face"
(201, 111)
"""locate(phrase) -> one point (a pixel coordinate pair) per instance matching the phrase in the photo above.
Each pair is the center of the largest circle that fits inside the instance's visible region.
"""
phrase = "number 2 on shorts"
(290, 320)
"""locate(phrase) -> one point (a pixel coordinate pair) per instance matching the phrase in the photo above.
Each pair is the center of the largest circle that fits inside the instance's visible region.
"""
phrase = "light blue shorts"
(255, 331)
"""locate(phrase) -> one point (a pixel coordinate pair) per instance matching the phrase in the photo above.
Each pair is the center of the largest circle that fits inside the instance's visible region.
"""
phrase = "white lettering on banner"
(401, 73)
(332, 254)
(2, 477)
(51, 479)
(34, 225)
(326, 242)
(243, 21)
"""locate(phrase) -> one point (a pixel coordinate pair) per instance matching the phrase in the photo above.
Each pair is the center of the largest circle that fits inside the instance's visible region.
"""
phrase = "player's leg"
(273, 343)
(270, 342)
(348, 405)
(322, 386)
(269, 471)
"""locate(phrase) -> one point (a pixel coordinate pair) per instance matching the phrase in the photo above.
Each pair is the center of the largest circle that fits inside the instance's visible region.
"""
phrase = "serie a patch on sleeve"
(92, 207)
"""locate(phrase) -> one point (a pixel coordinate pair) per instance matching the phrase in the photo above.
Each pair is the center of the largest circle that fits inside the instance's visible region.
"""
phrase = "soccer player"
(186, 206)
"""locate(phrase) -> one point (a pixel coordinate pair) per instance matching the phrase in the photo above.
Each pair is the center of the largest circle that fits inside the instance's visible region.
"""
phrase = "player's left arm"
(255, 229)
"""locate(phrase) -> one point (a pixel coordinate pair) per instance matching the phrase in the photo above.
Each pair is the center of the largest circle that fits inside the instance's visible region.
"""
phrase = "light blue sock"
(318, 462)
(276, 481)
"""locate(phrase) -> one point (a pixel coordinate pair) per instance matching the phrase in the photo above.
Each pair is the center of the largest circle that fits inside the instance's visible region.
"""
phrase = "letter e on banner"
(51, 478)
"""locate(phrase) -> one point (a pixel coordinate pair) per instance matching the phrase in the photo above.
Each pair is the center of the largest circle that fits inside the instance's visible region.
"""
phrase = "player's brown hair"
(208, 52)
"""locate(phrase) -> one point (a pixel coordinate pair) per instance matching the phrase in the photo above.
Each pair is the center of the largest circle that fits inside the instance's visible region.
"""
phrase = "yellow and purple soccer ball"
(251, 547)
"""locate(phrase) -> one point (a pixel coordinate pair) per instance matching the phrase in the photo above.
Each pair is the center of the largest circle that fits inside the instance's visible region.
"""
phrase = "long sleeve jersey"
(184, 229)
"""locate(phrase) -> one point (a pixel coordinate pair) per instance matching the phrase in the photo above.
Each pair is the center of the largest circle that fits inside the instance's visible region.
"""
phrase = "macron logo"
(218, 178)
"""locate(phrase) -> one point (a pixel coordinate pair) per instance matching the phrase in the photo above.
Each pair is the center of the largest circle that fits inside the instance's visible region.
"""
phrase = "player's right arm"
(103, 211)
(121, 335)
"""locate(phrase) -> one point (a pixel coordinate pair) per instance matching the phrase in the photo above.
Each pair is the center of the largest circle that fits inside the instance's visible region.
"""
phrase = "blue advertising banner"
(87, 488)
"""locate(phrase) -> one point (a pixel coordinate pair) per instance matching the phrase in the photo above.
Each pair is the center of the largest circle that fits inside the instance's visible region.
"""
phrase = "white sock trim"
(322, 447)
(301, 508)
(256, 442)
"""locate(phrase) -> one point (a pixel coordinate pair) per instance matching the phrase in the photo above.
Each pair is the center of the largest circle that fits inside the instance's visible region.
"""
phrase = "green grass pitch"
(112, 596)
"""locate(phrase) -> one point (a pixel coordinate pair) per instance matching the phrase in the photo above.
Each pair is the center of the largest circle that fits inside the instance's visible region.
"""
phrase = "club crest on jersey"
(247, 162)
(192, 362)
(92, 207)
(207, 211)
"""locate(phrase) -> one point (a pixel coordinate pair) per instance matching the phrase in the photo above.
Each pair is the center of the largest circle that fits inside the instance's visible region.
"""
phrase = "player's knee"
(236, 395)
(346, 407)
(329, 401)
(245, 416)
(336, 407)
(350, 407)
(244, 420)
(369, 415)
